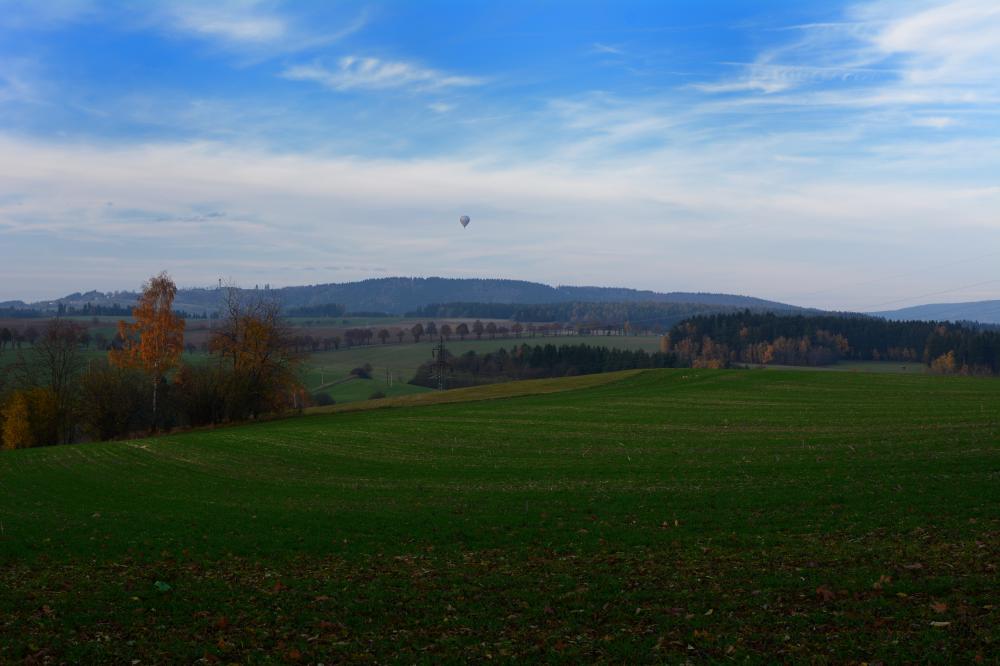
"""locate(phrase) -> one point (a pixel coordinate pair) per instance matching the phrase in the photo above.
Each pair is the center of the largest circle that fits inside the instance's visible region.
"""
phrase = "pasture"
(400, 361)
(652, 516)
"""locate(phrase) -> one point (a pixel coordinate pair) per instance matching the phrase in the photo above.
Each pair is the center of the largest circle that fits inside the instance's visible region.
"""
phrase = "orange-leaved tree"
(16, 426)
(154, 341)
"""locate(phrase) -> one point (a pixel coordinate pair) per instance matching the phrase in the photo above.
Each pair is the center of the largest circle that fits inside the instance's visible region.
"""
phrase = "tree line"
(15, 337)
(532, 362)
(363, 336)
(85, 310)
(51, 394)
(745, 337)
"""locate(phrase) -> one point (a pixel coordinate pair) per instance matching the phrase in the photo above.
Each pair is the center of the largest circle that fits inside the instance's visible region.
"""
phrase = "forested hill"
(747, 337)
(398, 295)
(639, 315)
(987, 312)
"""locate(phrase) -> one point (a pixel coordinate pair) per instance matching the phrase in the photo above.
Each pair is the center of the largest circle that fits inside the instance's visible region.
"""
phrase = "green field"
(402, 360)
(914, 367)
(322, 369)
(667, 516)
(351, 321)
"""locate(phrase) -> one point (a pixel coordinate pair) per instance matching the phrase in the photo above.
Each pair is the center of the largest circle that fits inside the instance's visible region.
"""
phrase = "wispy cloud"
(353, 72)
(767, 77)
(15, 84)
(237, 22)
(251, 26)
(598, 47)
(950, 43)
(937, 122)
(440, 107)
(885, 52)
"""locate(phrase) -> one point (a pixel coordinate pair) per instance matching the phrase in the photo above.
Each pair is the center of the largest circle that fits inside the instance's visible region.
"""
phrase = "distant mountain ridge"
(398, 295)
(987, 312)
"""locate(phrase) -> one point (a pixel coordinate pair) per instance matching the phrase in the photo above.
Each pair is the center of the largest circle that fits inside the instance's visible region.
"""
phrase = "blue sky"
(843, 155)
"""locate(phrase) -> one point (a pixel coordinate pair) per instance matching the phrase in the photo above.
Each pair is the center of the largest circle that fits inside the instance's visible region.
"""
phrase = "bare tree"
(255, 343)
(54, 363)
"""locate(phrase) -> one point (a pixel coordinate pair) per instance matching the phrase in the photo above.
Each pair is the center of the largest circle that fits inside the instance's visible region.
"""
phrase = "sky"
(841, 155)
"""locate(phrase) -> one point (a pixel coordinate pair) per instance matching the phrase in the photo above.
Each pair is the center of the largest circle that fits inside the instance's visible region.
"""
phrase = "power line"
(933, 293)
(920, 271)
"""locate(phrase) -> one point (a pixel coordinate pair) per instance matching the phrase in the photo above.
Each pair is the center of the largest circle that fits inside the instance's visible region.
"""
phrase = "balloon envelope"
(464, 220)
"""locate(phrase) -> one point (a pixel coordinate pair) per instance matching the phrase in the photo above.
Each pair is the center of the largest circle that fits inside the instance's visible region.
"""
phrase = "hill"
(662, 516)
(398, 295)
(986, 312)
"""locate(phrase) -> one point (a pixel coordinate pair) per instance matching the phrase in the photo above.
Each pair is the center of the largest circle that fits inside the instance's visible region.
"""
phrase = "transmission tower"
(440, 367)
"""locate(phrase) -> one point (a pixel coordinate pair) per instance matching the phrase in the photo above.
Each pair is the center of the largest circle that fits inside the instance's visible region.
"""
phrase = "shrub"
(113, 401)
(31, 418)
(363, 372)
(322, 400)
(200, 398)
(376, 395)
(16, 426)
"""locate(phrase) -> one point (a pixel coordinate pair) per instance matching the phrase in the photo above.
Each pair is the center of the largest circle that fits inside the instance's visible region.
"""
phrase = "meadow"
(668, 515)
(394, 364)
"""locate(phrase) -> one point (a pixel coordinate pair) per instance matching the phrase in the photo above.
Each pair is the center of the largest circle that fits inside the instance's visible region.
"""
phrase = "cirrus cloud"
(354, 72)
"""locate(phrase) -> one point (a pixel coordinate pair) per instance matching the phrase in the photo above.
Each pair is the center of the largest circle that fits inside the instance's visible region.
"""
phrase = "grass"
(674, 515)
(351, 321)
(355, 389)
(913, 367)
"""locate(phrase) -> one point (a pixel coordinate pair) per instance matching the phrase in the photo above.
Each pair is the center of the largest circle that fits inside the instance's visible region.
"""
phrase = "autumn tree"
(462, 330)
(491, 328)
(944, 364)
(517, 328)
(446, 331)
(112, 402)
(203, 393)
(30, 419)
(478, 328)
(54, 364)
(383, 335)
(255, 344)
(154, 342)
(417, 331)
(16, 426)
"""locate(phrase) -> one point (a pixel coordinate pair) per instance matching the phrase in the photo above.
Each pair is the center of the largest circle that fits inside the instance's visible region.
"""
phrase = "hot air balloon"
(464, 220)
